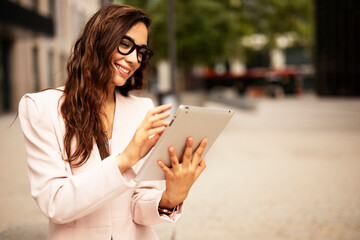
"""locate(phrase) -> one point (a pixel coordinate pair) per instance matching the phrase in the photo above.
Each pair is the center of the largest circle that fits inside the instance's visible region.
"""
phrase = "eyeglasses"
(127, 46)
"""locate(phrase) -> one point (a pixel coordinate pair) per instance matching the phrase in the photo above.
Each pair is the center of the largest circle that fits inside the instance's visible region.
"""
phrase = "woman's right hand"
(145, 137)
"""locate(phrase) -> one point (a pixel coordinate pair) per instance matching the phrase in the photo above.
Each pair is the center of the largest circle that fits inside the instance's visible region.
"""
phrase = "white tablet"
(188, 121)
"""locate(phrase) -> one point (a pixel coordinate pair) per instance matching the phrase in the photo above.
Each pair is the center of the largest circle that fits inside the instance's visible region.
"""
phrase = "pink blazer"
(94, 201)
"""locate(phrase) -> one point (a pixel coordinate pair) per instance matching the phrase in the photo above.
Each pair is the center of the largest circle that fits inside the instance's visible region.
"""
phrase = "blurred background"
(287, 165)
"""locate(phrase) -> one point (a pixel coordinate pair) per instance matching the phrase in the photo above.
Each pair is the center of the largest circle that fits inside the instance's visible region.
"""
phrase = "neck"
(111, 96)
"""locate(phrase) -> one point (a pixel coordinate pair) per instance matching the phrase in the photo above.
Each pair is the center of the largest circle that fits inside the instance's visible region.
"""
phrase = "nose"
(132, 57)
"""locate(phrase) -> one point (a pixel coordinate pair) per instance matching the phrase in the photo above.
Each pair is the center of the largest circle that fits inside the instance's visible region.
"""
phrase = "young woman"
(86, 141)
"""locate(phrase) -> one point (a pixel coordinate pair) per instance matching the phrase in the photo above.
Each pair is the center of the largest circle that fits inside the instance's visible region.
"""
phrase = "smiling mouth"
(122, 69)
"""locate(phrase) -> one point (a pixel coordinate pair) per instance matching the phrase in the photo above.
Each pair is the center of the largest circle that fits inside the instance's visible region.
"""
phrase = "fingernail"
(172, 150)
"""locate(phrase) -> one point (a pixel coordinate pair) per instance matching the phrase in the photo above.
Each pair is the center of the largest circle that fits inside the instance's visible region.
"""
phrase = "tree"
(274, 17)
(208, 30)
(205, 29)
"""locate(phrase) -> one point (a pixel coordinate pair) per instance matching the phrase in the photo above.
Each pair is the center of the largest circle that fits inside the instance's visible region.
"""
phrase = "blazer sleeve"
(145, 205)
(146, 199)
(61, 196)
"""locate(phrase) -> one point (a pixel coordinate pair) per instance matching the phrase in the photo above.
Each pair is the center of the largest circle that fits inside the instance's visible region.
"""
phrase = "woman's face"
(125, 65)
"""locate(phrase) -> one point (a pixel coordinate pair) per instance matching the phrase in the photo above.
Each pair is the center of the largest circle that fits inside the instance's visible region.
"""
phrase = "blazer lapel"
(123, 128)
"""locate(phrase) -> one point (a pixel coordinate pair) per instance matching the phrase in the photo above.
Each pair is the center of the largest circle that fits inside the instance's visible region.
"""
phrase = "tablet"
(188, 121)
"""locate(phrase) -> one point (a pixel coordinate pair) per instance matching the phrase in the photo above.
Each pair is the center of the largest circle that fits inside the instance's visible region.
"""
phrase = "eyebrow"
(144, 45)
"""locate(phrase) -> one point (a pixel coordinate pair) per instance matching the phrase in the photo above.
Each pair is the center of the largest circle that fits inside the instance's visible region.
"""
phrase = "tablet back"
(188, 121)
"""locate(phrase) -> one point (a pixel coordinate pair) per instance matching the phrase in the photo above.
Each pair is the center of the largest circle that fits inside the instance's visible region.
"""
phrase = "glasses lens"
(144, 55)
(126, 46)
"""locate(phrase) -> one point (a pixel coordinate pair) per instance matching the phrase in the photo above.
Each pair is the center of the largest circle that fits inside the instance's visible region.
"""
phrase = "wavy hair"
(89, 70)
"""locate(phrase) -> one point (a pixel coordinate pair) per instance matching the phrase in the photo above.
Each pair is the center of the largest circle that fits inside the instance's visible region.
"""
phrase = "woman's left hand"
(181, 176)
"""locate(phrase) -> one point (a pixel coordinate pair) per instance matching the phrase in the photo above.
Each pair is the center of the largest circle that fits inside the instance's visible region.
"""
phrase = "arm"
(61, 196)
(181, 176)
(179, 180)
(146, 196)
(145, 205)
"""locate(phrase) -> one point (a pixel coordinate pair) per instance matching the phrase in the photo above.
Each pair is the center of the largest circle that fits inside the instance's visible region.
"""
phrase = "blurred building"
(36, 37)
(337, 47)
(286, 68)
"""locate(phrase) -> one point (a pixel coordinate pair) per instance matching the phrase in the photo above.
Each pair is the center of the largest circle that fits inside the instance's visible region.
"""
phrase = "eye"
(125, 43)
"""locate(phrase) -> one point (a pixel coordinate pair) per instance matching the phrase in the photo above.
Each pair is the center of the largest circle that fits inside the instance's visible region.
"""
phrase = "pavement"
(286, 168)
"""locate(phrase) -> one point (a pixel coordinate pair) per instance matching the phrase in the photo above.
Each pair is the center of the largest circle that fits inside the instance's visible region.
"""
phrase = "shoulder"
(49, 94)
(43, 103)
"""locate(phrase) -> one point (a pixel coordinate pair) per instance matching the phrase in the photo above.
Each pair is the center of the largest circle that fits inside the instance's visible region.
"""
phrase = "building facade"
(36, 37)
(337, 59)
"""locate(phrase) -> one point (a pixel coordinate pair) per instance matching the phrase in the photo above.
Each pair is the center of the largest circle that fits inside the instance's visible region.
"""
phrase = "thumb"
(163, 167)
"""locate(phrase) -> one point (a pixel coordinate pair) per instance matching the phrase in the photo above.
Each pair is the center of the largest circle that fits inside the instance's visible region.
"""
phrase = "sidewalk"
(18, 212)
(287, 170)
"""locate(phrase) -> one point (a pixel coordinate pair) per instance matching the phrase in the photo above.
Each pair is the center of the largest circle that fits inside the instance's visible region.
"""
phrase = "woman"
(86, 141)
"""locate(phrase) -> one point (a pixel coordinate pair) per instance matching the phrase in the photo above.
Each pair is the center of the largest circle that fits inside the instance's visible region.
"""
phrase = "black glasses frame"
(144, 58)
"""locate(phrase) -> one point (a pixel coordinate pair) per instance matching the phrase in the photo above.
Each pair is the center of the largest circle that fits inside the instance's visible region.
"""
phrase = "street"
(287, 169)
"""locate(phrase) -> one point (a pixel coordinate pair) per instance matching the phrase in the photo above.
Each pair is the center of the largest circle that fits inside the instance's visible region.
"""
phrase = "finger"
(163, 167)
(188, 152)
(160, 109)
(158, 130)
(153, 140)
(200, 168)
(156, 120)
(160, 124)
(173, 158)
(159, 117)
(199, 151)
(153, 115)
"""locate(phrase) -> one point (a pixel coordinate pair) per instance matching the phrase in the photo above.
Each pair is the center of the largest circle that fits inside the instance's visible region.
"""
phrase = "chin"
(119, 81)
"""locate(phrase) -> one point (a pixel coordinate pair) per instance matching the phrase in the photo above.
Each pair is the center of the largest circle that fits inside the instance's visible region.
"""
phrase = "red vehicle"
(257, 81)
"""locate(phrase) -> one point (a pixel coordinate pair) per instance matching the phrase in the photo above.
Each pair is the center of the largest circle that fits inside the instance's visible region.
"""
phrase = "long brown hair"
(89, 71)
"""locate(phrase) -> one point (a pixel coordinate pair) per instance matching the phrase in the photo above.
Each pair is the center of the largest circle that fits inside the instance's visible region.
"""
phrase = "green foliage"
(210, 30)
(273, 17)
